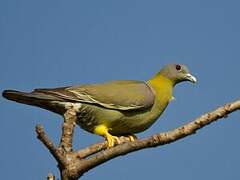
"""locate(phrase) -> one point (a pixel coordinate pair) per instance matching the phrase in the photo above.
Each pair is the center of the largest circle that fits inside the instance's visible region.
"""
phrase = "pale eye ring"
(178, 67)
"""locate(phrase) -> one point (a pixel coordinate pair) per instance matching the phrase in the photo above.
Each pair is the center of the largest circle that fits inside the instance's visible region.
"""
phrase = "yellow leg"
(102, 130)
(132, 137)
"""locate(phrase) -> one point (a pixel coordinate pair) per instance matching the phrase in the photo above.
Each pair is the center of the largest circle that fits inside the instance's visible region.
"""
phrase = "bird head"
(177, 73)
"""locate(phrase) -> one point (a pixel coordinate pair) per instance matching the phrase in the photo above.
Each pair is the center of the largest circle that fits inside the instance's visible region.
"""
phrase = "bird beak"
(191, 78)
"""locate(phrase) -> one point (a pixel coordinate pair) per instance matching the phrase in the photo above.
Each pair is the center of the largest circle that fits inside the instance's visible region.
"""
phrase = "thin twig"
(41, 135)
(90, 150)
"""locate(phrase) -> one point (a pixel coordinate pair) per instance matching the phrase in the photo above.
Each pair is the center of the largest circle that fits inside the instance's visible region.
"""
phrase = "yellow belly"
(132, 123)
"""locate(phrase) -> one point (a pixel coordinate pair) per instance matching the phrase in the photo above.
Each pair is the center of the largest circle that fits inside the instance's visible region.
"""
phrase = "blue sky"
(59, 43)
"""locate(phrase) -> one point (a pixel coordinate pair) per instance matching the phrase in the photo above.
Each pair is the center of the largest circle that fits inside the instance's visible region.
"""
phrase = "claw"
(111, 140)
(132, 137)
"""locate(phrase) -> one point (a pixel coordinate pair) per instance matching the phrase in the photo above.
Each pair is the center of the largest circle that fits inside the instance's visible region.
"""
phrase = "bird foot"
(112, 140)
(102, 130)
(132, 137)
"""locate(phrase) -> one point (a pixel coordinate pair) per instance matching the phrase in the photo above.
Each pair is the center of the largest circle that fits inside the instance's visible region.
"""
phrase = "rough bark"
(73, 164)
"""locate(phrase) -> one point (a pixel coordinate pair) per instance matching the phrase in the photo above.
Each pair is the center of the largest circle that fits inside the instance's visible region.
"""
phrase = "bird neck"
(162, 86)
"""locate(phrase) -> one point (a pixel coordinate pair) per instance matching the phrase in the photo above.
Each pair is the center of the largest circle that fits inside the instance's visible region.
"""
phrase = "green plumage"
(121, 107)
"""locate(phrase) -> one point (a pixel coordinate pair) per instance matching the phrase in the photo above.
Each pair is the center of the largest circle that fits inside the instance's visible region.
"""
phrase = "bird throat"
(163, 88)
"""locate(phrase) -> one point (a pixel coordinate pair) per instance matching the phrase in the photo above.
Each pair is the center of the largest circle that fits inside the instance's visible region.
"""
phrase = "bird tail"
(33, 98)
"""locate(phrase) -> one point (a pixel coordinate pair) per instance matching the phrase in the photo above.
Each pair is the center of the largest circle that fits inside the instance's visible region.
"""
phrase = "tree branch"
(76, 163)
(41, 135)
(70, 119)
(95, 148)
(90, 150)
(158, 139)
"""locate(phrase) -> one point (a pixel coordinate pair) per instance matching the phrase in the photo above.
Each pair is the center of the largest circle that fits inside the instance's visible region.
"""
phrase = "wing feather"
(120, 95)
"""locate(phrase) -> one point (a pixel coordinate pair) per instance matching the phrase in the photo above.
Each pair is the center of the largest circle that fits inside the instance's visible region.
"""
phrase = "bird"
(113, 108)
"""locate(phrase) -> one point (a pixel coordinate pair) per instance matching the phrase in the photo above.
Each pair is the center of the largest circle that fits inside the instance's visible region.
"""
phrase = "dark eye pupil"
(178, 67)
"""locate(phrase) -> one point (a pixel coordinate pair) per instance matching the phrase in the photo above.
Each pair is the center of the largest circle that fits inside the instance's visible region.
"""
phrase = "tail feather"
(27, 98)
(33, 98)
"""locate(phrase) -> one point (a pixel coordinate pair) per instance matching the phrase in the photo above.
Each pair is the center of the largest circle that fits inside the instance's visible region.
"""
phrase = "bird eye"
(178, 67)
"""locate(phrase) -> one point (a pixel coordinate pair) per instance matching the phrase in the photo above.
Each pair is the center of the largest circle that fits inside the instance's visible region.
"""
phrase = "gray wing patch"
(120, 95)
(90, 99)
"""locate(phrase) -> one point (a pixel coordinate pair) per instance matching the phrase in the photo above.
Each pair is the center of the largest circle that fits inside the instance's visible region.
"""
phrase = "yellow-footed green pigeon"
(111, 109)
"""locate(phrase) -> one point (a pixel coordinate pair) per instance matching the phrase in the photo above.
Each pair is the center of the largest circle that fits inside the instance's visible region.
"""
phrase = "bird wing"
(120, 95)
